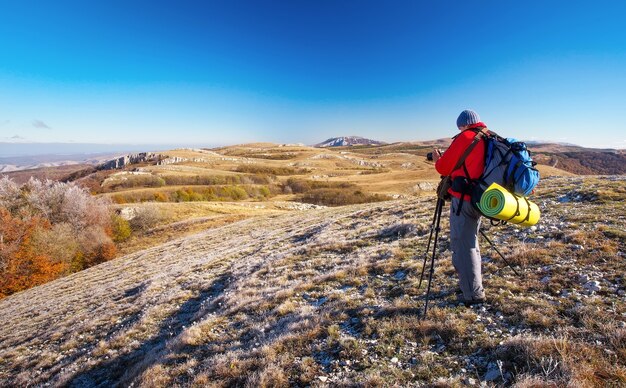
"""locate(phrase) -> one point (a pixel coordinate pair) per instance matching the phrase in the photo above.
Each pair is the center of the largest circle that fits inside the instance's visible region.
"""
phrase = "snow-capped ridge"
(344, 141)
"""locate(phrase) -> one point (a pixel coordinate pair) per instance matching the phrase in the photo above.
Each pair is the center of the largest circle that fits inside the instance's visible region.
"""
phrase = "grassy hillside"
(585, 162)
(329, 297)
(267, 174)
(571, 158)
(184, 191)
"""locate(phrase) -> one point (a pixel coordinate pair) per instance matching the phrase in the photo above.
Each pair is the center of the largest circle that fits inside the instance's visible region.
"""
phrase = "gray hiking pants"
(465, 251)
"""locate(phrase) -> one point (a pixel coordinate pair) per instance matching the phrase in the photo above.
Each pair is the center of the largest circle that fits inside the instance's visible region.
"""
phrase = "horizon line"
(218, 145)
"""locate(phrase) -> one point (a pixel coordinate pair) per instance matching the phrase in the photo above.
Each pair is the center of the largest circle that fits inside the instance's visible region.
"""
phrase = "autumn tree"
(50, 229)
(21, 263)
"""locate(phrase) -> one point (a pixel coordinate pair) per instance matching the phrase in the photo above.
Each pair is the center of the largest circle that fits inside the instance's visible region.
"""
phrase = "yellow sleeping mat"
(497, 202)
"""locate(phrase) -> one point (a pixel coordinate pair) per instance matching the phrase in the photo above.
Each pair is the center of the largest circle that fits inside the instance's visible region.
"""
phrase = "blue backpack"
(508, 163)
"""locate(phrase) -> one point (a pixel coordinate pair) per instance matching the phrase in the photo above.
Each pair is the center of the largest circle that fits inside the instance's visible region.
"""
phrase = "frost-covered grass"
(330, 297)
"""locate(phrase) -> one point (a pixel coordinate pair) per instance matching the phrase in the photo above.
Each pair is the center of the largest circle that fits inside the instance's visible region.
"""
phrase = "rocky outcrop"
(178, 159)
(123, 161)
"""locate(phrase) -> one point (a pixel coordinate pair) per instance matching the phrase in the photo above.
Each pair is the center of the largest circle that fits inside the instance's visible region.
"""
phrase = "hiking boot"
(470, 302)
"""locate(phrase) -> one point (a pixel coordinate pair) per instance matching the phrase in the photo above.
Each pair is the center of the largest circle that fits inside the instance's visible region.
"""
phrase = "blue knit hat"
(467, 117)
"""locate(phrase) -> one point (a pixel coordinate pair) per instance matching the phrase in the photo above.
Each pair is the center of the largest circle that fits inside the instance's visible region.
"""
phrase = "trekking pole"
(432, 230)
(440, 203)
(499, 253)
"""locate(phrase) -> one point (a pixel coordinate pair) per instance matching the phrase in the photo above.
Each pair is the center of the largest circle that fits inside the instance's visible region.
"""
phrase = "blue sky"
(226, 72)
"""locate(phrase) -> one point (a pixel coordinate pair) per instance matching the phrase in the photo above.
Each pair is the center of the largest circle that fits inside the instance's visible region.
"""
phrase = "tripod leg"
(432, 229)
(432, 260)
(499, 253)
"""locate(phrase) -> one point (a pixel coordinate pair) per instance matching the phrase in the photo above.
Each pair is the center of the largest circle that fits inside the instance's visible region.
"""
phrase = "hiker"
(464, 218)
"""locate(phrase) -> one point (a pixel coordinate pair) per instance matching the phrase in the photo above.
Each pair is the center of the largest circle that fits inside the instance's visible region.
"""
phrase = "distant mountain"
(348, 141)
(63, 173)
(30, 162)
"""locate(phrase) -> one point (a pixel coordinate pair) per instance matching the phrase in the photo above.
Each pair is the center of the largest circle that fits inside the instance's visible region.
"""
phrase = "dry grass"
(293, 299)
(325, 167)
(369, 174)
(184, 219)
(387, 173)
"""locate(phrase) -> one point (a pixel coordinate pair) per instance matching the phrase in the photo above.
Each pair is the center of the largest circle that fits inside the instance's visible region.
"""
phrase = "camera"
(429, 156)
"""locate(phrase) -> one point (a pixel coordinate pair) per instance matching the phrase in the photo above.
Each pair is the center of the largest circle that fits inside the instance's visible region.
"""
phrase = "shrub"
(160, 197)
(59, 202)
(273, 156)
(146, 217)
(50, 229)
(22, 265)
(236, 193)
(339, 197)
(180, 180)
(96, 246)
(133, 181)
(255, 179)
(265, 192)
(301, 185)
(10, 195)
(59, 242)
(211, 193)
(213, 180)
(196, 197)
(253, 169)
(119, 199)
(180, 196)
(121, 228)
(376, 170)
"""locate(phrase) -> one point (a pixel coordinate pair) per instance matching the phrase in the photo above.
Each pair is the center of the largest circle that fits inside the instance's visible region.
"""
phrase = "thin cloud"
(17, 137)
(40, 124)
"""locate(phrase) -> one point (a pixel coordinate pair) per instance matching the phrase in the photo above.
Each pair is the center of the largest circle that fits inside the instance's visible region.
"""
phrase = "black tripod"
(434, 229)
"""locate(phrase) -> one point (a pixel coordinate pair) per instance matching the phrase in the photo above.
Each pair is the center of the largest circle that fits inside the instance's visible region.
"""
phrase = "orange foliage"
(102, 253)
(21, 266)
(118, 199)
(48, 230)
(160, 197)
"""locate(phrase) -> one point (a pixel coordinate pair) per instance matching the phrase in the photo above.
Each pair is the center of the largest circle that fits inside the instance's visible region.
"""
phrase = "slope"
(330, 295)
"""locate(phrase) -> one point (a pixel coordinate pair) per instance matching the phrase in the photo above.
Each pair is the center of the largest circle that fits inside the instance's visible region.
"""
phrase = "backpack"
(507, 163)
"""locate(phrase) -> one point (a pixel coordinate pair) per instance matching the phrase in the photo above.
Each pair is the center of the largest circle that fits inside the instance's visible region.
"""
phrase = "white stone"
(128, 213)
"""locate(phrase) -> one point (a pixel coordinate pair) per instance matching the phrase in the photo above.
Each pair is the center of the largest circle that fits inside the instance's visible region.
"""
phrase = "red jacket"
(475, 161)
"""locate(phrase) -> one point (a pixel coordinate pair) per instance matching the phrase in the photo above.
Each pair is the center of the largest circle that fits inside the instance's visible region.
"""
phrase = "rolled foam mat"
(497, 202)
